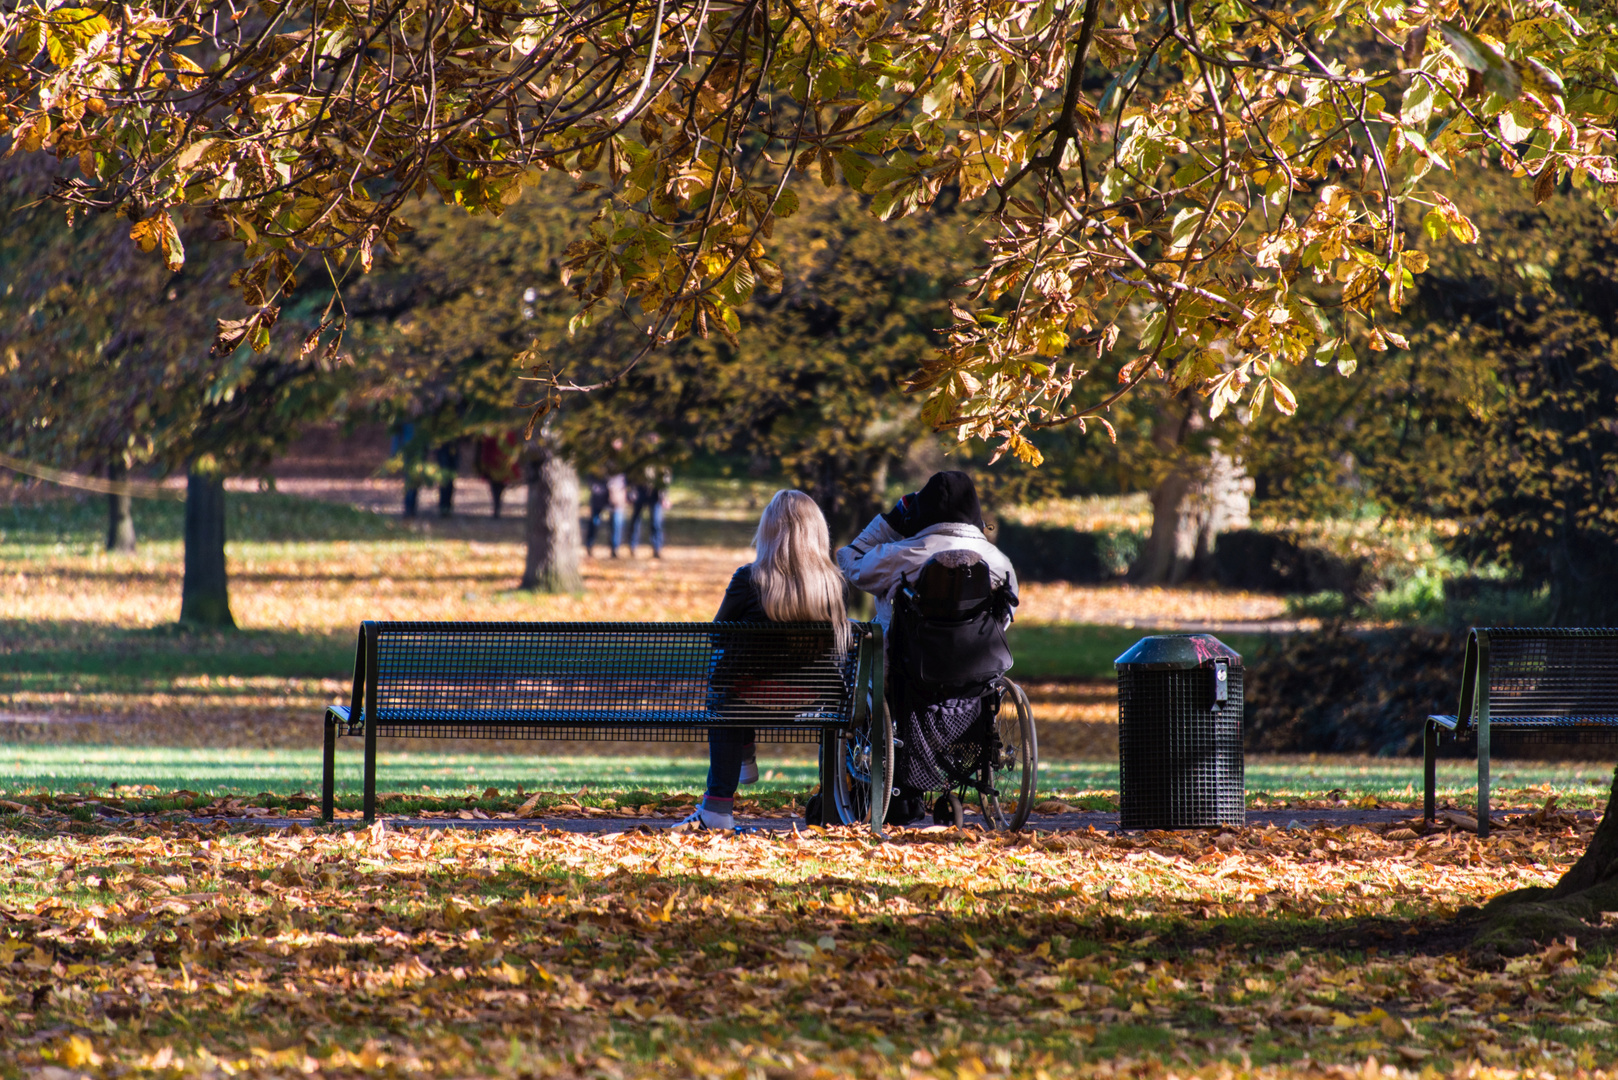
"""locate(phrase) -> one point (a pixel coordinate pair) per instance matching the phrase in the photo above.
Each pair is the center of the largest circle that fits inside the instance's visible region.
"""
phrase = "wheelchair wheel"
(948, 810)
(1013, 768)
(863, 771)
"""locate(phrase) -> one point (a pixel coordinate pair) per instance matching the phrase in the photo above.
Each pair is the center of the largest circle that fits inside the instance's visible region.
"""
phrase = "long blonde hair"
(794, 573)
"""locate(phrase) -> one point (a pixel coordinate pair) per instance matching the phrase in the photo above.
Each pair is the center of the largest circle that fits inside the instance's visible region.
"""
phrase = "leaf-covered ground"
(178, 950)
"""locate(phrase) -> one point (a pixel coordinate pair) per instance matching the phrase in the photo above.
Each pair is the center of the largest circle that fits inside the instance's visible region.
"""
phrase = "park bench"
(1534, 685)
(619, 681)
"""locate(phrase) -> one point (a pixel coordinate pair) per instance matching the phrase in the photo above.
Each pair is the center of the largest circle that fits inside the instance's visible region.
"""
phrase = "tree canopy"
(812, 382)
(104, 355)
(1502, 413)
(1173, 170)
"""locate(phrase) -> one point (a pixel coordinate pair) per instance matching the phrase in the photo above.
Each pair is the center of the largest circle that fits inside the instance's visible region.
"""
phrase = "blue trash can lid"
(1177, 652)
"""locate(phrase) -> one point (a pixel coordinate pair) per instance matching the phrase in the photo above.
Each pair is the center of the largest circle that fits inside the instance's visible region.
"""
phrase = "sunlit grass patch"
(148, 778)
(788, 770)
(78, 525)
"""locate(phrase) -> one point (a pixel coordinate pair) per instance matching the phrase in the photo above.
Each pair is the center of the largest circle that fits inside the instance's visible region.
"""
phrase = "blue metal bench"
(1536, 685)
(623, 681)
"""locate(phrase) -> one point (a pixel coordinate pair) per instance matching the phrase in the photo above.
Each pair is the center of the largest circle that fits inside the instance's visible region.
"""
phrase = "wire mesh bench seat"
(1539, 685)
(625, 681)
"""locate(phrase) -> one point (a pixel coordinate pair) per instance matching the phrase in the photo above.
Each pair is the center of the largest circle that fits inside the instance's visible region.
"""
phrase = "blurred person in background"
(652, 498)
(499, 463)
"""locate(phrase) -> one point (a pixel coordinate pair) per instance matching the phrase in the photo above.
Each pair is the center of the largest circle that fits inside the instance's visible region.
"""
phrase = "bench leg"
(370, 770)
(1429, 769)
(828, 771)
(328, 772)
(1483, 780)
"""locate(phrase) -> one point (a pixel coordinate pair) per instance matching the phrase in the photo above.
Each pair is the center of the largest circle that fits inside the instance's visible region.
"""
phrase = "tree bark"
(552, 526)
(120, 511)
(205, 595)
(1227, 501)
(1523, 920)
(1196, 500)
(1599, 863)
(1160, 558)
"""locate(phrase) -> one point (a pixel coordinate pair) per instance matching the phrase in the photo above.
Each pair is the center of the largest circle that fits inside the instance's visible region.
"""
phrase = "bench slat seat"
(1542, 684)
(1453, 723)
(652, 681)
(387, 718)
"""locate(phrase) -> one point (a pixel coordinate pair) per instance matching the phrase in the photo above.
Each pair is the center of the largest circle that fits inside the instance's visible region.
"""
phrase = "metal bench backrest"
(1558, 674)
(423, 675)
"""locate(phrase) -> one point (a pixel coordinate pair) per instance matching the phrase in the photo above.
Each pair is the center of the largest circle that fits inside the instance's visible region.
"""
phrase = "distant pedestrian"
(618, 502)
(598, 506)
(499, 462)
(652, 498)
(448, 459)
(405, 447)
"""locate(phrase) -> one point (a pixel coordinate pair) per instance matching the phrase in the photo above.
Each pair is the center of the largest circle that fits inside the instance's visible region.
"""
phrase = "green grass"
(284, 772)
(1081, 651)
(1274, 780)
(77, 525)
(43, 656)
(287, 772)
(48, 657)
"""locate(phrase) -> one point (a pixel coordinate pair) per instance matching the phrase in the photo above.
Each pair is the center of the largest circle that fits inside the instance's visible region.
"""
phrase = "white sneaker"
(749, 772)
(701, 820)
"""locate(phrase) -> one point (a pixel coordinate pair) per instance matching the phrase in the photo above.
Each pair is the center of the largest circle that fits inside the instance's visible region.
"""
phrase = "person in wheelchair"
(944, 598)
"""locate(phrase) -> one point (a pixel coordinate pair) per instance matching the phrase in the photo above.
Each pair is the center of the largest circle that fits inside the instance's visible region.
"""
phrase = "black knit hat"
(947, 497)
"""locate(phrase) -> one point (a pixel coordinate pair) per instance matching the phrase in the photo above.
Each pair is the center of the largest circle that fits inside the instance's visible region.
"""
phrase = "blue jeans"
(654, 515)
(727, 749)
(403, 442)
(617, 529)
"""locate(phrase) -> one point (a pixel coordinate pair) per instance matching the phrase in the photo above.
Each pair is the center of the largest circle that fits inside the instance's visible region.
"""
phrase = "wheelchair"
(948, 639)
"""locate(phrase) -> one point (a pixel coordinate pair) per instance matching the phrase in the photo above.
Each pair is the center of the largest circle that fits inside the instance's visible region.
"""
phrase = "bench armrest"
(1448, 723)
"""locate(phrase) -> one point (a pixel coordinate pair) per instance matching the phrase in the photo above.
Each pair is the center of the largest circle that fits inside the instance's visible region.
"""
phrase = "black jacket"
(741, 602)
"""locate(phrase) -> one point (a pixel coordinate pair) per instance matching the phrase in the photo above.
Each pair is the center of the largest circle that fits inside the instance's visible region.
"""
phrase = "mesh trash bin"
(1180, 734)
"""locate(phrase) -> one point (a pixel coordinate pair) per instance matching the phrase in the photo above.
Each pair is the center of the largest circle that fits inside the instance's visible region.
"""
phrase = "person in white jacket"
(942, 516)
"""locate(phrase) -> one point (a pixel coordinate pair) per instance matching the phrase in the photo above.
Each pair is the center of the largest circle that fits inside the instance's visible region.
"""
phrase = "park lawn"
(306, 567)
(1083, 651)
(191, 952)
(148, 778)
(90, 637)
(87, 668)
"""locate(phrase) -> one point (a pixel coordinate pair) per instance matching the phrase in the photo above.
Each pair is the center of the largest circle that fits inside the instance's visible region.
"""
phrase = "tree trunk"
(1196, 500)
(552, 526)
(1171, 547)
(1227, 502)
(1523, 920)
(120, 511)
(849, 489)
(448, 458)
(205, 596)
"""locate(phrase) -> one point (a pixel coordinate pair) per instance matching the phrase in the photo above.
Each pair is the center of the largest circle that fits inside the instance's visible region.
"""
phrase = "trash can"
(1180, 760)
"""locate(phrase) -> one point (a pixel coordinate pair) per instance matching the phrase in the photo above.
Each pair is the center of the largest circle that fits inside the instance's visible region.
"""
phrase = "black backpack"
(950, 624)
